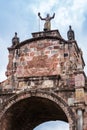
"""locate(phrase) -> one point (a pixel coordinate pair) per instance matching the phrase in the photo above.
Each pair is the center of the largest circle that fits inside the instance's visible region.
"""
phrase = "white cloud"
(43, 6)
(71, 13)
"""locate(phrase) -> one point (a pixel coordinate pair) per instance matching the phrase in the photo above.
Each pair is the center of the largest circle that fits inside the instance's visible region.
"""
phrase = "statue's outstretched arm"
(41, 17)
(53, 16)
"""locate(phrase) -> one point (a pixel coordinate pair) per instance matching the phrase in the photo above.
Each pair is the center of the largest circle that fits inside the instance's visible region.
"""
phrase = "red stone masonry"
(49, 67)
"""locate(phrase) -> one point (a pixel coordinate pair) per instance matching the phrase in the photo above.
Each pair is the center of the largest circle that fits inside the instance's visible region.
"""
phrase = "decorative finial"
(15, 40)
(47, 25)
(70, 34)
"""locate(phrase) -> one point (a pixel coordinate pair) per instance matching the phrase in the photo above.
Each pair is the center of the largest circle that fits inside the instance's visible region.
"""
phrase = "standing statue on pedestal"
(70, 34)
(47, 25)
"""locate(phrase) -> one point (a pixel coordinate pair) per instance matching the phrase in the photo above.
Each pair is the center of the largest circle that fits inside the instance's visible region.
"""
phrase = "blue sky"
(53, 125)
(21, 16)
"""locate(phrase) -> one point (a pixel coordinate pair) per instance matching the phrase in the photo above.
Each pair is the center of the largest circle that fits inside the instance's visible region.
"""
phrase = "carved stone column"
(80, 119)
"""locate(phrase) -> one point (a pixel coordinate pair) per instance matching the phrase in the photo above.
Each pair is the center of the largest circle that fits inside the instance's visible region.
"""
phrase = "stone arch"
(70, 114)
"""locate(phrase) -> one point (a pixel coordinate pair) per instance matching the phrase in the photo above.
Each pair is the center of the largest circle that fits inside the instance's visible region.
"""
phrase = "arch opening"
(30, 112)
(27, 110)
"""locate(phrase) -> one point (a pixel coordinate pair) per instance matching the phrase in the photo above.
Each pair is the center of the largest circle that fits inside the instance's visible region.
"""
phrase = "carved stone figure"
(70, 34)
(47, 25)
